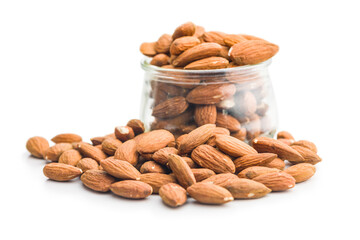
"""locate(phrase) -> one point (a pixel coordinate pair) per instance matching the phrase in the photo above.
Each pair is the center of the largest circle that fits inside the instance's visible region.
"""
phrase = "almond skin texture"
(170, 108)
(156, 180)
(280, 181)
(252, 52)
(173, 194)
(196, 137)
(285, 135)
(124, 133)
(190, 162)
(148, 49)
(233, 146)
(163, 44)
(120, 169)
(70, 157)
(227, 121)
(127, 152)
(90, 151)
(306, 144)
(152, 167)
(66, 138)
(301, 172)
(221, 179)
(152, 141)
(208, 63)
(208, 157)
(110, 145)
(161, 156)
(249, 160)
(37, 146)
(97, 180)
(53, 153)
(203, 50)
(181, 170)
(252, 172)
(201, 174)
(131, 189)
(186, 29)
(160, 60)
(232, 39)
(61, 172)
(308, 155)
(136, 125)
(86, 164)
(269, 145)
(205, 114)
(276, 163)
(182, 44)
(246, 189)
(215, 37)
(209, 193)
(211, 94)
(217, 131)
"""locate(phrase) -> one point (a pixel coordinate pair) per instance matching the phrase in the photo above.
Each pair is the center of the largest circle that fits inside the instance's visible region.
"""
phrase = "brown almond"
(136, 125)
(203, 50)
(53, 153)
(156, 180)
(249, 160)
(181, 170)
(127, 152)
(152, 141)
(131, 189)
(233, 146)
(173, 194)
(124, 133)
(163, 44)
(160, 60)
(215, 37)
(246, 189)
(241, 134)
(306, 144)
(301, 172)
(66, 138)
(86, 164)
(209, 193)
(120, 169)
(252, 172)
(170, 108)
(70, 157)
(277, 181)
(97, 180)
(190, 162)
(61, 172)
(308, 155)
(148, 49)
(37, 146)
(161, 155)
(208, 157)
(221, 179)
(269, 145)
(208, 63)
(276, 163)
(182, 44)
(152, 167)
(232, 39)
(217, 131)
(196, 137)
(201, 174)
(210, 94)
(110, 145)
(285, 135)
(227, 121)
(247, 103)
(96, 140)
(90, 151)
(186, 29)
(205, 114)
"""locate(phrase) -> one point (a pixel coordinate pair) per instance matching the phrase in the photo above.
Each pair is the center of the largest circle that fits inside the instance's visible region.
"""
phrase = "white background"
(73, 66)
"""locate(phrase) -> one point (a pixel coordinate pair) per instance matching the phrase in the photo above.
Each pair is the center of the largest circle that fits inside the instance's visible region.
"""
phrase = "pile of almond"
(207, 164)
(238, 99)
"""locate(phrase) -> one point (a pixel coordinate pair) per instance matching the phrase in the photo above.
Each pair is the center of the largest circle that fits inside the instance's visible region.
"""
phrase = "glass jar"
(240, 99)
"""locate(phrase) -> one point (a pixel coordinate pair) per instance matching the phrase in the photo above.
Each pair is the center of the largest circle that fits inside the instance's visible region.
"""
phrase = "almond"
(61, 172)
(215, 37)
(136, 125)
(37, 146)
(209, 193)
(225, 53)
(208, 63)
(161, 156)
(152, 167)
(211, 94)
(90, 151)
(199, 31)
(160, 60)
(186, 29)
(280, 181)
(232, 39)
(308, 155)
(120, 169)
(301, 172)
(148, 49)
(170, 108)
(217, 131)
(205, 114)
(208, 157)
(173, 194)
(286, 141)
(86, 164)
(246, 189)
(53, 153)
(124, 133)
(127, 152)
(249, 160)
(269, 145)
(285, 135)
(70, 157)
(241, 134)
(182, 44)
(276, 163)
(233, 146)
(131, 189)
(247, 104)
(202, 173)
(152, 141)
(156, 180)
(110, 145)
(252, 172)
(97, 180)
(306, 144)
(221, 179)
(190, 162)
(195, 138)
(66, 138)
(203, 50)
(163, 44)
(96, 140)
(227, 121)
(181, 170)
(252, 52)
